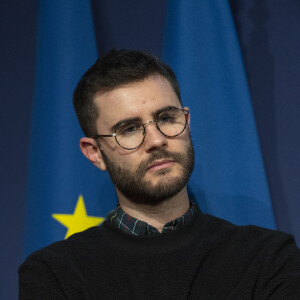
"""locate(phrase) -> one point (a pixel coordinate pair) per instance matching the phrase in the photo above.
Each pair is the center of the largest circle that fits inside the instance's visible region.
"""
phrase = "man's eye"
(167, 118)
(129, 129)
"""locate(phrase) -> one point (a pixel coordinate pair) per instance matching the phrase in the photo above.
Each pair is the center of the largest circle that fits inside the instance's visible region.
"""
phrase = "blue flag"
(66, 193)
(201, 45)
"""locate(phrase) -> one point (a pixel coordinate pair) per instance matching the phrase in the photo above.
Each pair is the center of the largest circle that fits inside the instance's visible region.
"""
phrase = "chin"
(162, 177)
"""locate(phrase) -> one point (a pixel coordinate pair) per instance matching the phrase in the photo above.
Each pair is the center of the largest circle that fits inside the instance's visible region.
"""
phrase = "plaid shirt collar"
(130, 225)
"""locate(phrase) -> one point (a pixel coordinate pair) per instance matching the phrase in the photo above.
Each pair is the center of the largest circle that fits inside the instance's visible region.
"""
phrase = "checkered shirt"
(133, 226)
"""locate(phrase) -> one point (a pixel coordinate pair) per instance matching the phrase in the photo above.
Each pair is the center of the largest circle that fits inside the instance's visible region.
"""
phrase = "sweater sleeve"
(280, 270)
(37, 281)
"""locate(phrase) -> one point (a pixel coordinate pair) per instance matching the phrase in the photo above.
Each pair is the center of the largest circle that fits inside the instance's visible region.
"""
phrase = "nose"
(154, 139)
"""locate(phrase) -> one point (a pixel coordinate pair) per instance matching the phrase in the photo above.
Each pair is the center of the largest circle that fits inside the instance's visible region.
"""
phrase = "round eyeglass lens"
(130, 135)
(172, 122)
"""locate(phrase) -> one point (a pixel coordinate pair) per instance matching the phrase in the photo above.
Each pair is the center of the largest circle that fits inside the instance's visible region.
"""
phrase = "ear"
(188, 116)
(91, 151)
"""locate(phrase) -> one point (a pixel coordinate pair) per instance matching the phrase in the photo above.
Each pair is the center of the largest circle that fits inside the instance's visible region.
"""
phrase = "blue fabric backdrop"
(65, 191)
(229, 179)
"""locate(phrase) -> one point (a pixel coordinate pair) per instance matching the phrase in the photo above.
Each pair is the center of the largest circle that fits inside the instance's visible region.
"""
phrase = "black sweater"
(207, 259)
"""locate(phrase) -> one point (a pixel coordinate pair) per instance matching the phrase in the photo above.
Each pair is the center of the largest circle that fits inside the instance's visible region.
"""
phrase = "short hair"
(118, 67)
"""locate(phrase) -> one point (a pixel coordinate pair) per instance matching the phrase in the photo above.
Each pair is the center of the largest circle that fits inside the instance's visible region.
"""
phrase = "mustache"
(160, 154)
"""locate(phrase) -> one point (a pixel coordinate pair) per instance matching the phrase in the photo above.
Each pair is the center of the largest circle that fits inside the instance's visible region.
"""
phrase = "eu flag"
(65, 192)
(202, 47)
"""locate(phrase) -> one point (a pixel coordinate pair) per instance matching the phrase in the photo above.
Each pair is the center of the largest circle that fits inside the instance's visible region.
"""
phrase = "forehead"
(140, 99)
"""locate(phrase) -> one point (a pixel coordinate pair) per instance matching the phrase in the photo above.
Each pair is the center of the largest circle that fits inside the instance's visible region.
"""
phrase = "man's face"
(161, 166)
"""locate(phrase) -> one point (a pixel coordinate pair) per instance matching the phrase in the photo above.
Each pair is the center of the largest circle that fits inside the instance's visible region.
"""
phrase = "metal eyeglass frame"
(185, 111)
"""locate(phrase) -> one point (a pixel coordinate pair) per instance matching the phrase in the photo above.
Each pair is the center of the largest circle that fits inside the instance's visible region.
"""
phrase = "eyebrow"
(158, 112)
(137, 119)
(125, 121)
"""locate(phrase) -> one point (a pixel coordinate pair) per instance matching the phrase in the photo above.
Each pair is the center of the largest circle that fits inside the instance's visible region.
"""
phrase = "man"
(156, 244)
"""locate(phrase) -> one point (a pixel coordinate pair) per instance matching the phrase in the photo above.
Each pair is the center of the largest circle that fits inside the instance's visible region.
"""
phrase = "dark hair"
(116, 68)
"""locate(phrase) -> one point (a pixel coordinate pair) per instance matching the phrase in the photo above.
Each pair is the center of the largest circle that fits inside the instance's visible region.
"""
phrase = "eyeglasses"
(130, 135)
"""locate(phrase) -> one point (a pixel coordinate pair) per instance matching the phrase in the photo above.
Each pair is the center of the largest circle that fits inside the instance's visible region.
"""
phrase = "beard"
(140, 191)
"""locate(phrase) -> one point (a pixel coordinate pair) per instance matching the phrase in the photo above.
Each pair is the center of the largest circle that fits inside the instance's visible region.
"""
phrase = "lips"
(160, 164)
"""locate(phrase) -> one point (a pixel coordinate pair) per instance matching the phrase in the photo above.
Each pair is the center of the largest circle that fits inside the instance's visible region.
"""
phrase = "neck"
(158, 215)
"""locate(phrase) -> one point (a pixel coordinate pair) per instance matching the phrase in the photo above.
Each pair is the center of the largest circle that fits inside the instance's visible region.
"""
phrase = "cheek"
(180, 144)
(116, 153)
(126, 162)
(130, 158)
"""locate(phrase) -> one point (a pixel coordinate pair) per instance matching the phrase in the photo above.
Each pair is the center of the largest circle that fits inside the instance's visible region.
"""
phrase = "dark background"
(269, 35)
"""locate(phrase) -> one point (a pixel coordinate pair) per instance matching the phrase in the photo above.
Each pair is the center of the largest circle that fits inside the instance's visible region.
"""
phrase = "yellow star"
(79, 221)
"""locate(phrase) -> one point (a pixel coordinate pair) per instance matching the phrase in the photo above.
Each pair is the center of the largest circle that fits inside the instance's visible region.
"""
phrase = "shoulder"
(249, 236)
(263, 249)
(215, 224)
(51, 271)
(75, 245)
